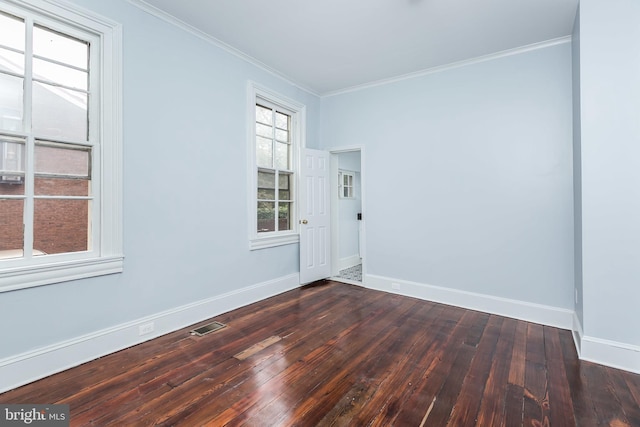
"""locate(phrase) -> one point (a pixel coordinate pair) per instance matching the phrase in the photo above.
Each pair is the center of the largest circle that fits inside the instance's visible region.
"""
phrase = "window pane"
(284, 187)
(266, 216)
(62, 160)
(266, 185)
(264, 152)
(11, 61)
(10, 102)
(12, 32)
(61, 226)
(266, 194)
(282, 156)
(282, 121)
(61, 48)
(284, 216)
(11, 185)
(11, 237)
(264, 130)
(59, 112)
(60, 74)
(284, 195)
(62, 187)
(11, 166)
(282, 135)
(284, 181)
(264, 115)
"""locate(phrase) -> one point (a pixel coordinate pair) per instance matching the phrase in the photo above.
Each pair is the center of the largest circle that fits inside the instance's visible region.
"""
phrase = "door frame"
(335, 232)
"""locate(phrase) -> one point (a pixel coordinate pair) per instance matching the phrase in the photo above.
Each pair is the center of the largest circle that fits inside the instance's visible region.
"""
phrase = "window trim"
(107, 257)
(276, 238)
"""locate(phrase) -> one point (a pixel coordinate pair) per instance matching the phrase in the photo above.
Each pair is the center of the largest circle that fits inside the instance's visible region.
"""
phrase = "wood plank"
(536, 397)
(625, 395)
(336, 354)
(583, 410)
(384, 331)
(517, 366)
(633, 383)
(248, 396)
(444, 377)
(368, 381)
(468, 404)
(493, 406)
(607, 408)
(514, 406)
(257, 347)
(356, 386)
(228, 342)
(560, 404)
(514, 400)
(312, 370)
(385, 406)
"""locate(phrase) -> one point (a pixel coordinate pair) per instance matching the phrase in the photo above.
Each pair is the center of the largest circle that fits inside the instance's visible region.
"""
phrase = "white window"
(60, 145)
(275, 136)
(347, 183)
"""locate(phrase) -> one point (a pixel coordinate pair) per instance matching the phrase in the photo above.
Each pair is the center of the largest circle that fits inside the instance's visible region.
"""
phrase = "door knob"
(304, 221)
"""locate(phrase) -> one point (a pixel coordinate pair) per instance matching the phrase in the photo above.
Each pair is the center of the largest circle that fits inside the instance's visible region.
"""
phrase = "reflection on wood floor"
(337, 354)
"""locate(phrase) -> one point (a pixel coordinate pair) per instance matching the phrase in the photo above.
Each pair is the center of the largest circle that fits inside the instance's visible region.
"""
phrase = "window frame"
(105, 119)
(351, 189)
(257, 93)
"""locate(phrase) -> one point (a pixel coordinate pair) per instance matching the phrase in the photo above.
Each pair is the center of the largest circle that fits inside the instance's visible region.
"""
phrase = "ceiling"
(331, 45)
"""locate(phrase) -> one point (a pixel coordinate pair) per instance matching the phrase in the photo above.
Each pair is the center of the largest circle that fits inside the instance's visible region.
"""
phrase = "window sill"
(272, 241)
(12, 279)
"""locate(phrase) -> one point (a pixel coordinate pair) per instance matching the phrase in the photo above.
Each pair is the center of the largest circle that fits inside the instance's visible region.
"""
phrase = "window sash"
(269, 119)
(33, 138)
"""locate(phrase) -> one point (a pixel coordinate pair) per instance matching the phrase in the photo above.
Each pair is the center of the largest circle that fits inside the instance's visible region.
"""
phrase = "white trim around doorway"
(335, 262)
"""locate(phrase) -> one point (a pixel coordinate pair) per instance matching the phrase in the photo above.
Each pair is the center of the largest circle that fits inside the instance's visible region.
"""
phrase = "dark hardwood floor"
(336, 354)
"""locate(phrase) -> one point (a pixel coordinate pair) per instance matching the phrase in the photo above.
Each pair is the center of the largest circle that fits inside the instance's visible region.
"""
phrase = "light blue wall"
(577, 168)
(610, 146)
(469, 175)
(185, 203)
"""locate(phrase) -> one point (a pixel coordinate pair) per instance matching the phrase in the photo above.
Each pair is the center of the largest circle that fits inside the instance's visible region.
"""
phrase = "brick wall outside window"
(60, 225)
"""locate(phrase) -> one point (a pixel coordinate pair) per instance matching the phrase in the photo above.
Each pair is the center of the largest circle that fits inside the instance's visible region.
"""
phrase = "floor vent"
(208, 328)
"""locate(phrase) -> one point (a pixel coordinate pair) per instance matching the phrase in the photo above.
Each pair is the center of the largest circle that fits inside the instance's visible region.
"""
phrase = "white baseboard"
(34, 365)
(348, 262)
(522, 310)
(605, 352)
(611, 353)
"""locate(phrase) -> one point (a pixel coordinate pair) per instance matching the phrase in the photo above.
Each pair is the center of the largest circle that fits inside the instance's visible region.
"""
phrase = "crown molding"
(453, 65)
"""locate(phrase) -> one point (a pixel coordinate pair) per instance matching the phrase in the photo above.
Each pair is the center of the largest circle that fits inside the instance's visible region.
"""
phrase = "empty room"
(391, 213)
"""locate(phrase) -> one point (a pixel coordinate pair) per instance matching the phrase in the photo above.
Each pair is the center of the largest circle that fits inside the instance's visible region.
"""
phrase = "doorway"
(347, 226)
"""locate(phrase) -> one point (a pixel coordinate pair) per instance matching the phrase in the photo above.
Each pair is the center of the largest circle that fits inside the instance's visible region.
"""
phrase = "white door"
(314, 216)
